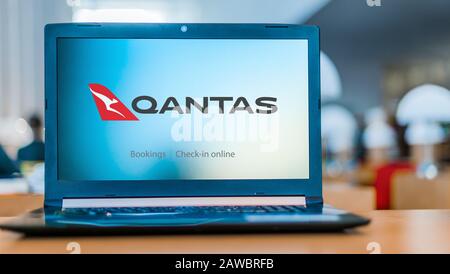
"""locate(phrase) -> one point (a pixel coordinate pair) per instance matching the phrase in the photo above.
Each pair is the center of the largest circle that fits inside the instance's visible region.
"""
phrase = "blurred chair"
(411, 192)
(383, 182)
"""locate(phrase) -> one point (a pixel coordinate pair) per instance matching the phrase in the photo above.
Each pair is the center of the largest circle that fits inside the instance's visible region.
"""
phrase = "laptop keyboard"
(106, 211)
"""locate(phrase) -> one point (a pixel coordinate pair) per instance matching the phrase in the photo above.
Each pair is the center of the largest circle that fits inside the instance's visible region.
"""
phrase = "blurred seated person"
(35, 151)
(7, 167)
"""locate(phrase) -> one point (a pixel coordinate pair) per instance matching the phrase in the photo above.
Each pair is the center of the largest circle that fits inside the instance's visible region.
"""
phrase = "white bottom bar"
(185, 201)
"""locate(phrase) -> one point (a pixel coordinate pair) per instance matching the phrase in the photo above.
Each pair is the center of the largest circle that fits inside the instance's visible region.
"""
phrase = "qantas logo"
(112, 109)
(109, 106)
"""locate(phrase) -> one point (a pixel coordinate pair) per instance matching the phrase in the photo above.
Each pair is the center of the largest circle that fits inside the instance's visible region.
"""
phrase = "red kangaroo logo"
(109, 106)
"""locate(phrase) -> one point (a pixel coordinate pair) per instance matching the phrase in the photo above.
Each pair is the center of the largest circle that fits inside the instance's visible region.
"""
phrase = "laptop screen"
(182, 109)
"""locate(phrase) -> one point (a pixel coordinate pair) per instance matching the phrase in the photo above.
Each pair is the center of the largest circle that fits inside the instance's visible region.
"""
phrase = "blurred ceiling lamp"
(118, 15)
(330, 80)
(424, 133)
(338, 128)
(424, 103)
(15, 132)
(422, 109)
(378, 133)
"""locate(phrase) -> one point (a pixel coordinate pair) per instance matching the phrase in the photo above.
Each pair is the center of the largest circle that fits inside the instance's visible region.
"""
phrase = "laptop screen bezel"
(56, 190)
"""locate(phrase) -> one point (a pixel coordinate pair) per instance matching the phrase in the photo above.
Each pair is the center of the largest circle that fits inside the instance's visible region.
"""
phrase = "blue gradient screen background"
(90, 149)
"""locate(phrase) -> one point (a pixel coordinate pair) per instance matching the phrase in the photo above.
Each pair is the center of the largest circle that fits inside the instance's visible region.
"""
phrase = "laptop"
(182, 128)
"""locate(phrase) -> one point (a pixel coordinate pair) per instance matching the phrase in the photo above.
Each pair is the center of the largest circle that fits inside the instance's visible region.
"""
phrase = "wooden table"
(13, 205)
(415, 231)
(409, 231)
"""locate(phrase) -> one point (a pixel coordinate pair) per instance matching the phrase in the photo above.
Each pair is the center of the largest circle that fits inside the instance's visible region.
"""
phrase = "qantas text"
(149, 105)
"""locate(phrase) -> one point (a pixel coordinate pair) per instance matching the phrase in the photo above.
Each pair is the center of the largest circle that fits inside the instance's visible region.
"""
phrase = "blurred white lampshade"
(424, 133)
(424, 103)
(15, 132)
(330, 81)
(378, 133)
(338, 128)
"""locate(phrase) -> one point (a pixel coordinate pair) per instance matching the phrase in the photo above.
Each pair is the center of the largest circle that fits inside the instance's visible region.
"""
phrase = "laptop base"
(52, 223)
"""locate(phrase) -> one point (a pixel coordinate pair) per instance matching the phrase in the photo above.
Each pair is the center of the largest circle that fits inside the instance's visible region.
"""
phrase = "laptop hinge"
(185, 201)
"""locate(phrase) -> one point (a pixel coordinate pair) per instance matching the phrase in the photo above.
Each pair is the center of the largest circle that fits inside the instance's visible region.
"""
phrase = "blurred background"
(385, 80)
